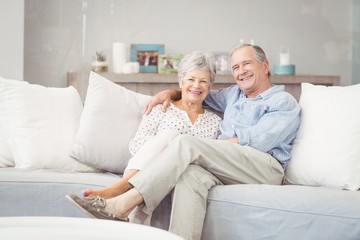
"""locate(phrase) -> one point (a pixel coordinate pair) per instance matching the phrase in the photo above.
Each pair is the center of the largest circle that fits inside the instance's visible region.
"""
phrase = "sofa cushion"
(41, 192)
(109, 120)
(260, 211)
(41, 124)
(20, 188)
(326, 150)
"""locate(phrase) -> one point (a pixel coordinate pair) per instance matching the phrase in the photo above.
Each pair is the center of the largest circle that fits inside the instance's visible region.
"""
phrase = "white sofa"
(40, 128)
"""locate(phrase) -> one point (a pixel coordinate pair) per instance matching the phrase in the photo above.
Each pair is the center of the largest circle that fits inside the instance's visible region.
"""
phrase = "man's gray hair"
(259, 53)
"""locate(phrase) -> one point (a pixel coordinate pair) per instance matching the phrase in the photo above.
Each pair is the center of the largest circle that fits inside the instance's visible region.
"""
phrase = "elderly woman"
(196, 74)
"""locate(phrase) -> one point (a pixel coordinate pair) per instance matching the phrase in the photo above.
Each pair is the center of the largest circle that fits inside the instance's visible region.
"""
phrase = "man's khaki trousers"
(195, 165)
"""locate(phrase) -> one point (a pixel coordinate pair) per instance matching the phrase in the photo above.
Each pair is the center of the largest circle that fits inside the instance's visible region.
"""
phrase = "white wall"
(12, 39)
(57, 39)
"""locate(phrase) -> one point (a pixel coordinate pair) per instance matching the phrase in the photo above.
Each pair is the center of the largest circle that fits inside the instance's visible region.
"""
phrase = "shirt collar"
(274, 89)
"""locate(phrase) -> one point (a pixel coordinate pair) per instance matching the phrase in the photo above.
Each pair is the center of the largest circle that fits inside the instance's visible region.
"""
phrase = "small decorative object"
(100, 64)
(284, 55)
(284, 68)
(222, 62)
(131, 67)
(169, 63)
(147, 56)
(119, 56)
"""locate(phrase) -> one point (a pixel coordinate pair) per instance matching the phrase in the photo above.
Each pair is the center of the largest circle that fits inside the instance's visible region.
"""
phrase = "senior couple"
(183, 147)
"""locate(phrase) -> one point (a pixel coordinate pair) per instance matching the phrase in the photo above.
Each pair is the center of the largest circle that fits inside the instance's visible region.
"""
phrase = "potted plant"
(100, 64)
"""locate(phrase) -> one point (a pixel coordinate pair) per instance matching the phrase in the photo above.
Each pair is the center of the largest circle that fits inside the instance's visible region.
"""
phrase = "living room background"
(62, 35)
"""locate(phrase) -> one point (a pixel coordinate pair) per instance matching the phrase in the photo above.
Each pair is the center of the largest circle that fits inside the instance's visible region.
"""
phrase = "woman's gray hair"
(259, 53)
(197, 60)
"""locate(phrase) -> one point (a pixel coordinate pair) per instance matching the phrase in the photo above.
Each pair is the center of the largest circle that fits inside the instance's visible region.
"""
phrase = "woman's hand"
(164, 97)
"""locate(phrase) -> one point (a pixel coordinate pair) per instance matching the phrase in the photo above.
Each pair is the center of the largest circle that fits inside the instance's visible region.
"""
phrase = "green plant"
(100, 56)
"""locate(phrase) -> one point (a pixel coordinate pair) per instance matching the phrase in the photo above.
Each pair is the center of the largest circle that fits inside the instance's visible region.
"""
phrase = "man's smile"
(246, 77)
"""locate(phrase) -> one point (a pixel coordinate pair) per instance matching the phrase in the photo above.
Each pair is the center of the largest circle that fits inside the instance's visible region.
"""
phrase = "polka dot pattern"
(206, 125)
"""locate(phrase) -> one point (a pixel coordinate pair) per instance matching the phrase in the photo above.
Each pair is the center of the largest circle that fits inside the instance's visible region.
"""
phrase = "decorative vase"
(98, 66)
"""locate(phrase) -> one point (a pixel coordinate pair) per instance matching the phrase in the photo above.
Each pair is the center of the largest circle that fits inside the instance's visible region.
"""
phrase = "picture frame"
(169, 63)
(222, 62)
(147, 56)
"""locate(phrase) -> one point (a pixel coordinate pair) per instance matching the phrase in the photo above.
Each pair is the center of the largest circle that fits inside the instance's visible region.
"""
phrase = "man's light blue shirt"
(268, 123)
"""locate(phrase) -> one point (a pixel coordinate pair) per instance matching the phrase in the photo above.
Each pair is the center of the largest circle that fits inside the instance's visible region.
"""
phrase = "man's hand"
(163, 97)
(233, 140)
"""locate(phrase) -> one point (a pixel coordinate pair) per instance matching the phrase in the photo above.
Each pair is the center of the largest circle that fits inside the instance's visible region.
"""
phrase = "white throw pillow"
(41, 124)
(109, 120)
(6, 156)
(326, 150)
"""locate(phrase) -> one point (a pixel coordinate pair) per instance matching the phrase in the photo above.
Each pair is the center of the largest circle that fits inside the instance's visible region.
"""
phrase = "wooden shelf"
(151, 83)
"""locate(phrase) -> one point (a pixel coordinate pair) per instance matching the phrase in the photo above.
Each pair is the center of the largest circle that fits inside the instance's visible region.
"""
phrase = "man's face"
(250, 75)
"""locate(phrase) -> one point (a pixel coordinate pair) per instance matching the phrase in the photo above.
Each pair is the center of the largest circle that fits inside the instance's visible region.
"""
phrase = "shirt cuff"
(244, 138)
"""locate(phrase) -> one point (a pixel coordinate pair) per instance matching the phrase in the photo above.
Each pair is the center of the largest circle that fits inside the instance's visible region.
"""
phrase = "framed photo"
(147, 56)
(169, 63)
(222, 62)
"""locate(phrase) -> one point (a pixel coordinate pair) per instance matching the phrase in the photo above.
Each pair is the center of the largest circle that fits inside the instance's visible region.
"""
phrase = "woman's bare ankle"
(105, 193)
(108, 192)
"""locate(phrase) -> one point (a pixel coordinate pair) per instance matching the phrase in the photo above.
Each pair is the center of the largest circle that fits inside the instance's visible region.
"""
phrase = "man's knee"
(198, 178)
(194, 171)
